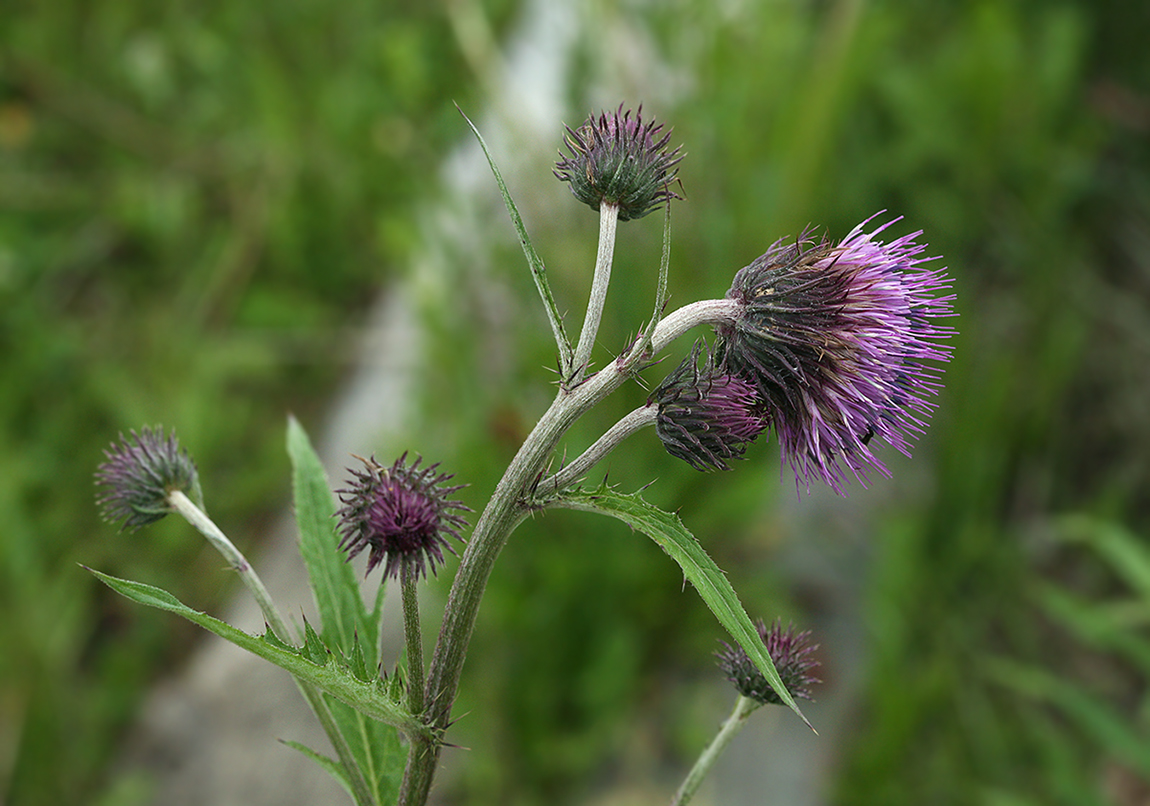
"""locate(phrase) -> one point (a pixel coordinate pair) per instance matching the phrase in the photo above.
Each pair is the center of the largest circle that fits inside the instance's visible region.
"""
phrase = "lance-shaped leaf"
(367, 697)
(347, 623)
(538, 270)
(700, 570)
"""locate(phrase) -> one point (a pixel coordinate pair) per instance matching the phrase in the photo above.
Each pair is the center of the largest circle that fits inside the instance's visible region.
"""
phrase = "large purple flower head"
(401, 514)
(838, 340)
(791, 654)
(618, 159)
(139, 474)
(706, 416)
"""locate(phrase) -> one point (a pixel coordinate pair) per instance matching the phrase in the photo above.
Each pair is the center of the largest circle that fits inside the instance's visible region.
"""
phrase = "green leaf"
(343, 615)
(347, 625)
(700, 570)
(538, 270)
(377, 748)
(370, 698)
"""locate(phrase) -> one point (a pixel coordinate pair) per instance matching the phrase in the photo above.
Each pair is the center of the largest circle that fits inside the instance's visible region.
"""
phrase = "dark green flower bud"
(620, 160)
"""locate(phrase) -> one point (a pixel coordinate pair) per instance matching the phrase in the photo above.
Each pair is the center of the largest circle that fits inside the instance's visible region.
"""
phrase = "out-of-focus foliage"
(197, 200)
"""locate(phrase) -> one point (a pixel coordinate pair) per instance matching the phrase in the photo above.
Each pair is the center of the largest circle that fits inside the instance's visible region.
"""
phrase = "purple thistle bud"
(706, 417)
(402, 514)
(791, 654)
(836, 339)
(618, 160)
(139, 475)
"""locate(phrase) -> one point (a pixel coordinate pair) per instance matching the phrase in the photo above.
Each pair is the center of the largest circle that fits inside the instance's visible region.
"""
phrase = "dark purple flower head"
(705, 416)
(791, 654)
(837, 339)
(140, 473)
(620, 160)
(402, 514)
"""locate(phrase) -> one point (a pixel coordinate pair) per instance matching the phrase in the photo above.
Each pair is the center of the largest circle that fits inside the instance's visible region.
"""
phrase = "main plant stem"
(505, 510)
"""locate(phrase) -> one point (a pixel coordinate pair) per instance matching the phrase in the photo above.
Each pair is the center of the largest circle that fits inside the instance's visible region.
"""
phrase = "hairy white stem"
(608, 220)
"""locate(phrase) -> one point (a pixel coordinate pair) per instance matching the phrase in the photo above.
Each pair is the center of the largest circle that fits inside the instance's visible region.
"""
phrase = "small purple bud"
(791, 654)
(839, 339)
(705, 416)
(140, 473)
(401, 514)
(617, 159)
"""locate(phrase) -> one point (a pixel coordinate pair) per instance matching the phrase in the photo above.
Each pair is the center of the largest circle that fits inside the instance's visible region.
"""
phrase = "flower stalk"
(204, 525)
(608, 221)
(569, 474)
(413, 639)
(744, 707)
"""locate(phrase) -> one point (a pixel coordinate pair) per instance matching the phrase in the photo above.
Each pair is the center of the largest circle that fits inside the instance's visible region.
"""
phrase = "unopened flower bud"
(620, 160)
(401, 514)
(791, 654)
(140, 473)
(705, 416)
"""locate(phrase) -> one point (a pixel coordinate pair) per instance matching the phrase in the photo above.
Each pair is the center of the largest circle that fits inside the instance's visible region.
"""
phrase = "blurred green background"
(199, 200)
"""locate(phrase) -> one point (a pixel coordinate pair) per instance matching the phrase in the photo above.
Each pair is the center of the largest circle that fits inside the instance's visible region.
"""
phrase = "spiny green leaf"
(700, 570)
(368, 697)
(314, 648)
(358, 662)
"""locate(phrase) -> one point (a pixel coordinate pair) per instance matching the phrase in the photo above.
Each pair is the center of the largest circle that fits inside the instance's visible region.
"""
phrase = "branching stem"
(506, 509)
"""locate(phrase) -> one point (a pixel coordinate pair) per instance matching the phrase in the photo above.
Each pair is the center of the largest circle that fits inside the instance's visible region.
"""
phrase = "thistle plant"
(834, 346)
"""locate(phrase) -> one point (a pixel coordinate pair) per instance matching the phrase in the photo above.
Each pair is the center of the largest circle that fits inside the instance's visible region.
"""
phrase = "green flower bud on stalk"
(619, 160)
(140, 474)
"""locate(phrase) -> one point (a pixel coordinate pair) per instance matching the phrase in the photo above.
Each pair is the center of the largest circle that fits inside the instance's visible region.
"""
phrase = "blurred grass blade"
(366, 696)
(1107, 626)
(343, 615)
(1123, 550)
(1112, 731)
(700, 570)
(538, 270)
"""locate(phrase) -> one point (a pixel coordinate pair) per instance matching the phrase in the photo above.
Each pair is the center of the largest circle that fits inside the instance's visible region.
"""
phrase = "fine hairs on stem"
(608, 220)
